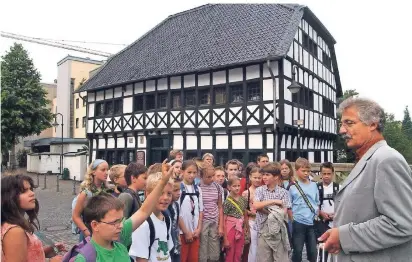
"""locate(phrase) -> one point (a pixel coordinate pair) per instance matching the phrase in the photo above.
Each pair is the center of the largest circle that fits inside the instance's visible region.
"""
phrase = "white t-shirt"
(191, 221)
(161, 246)
(328, 206)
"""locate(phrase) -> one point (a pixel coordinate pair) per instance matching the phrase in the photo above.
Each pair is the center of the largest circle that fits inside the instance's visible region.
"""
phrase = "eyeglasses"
(347, 123)
(115, 223)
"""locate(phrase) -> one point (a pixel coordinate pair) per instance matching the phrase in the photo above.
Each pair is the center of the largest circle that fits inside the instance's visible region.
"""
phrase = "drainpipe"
(275, 132)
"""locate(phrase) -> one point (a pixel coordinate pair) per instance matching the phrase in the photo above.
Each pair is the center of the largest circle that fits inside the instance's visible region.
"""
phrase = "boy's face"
(263, 162)
(179, 157)
(110, 226)
(269, 179)
(176, 191)
(219, 177)
(232, 170)
(166, 198)
(327, 175)
(121, 181)
(140, 181)
(256, 179)
(208, 176)
(303, 173)
(235, 187)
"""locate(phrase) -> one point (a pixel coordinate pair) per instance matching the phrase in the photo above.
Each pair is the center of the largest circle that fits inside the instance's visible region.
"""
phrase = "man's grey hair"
(368, 110)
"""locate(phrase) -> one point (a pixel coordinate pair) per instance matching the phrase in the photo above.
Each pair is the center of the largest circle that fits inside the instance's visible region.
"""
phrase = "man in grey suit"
(373, 209)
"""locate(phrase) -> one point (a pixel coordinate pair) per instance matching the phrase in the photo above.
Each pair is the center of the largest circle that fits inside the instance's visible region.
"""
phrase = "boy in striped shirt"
(212, 227)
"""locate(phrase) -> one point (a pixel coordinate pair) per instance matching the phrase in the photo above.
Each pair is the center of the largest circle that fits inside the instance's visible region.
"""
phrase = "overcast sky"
(373, 40)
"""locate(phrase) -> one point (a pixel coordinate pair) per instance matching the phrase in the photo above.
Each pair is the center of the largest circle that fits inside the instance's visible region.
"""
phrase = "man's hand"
(331, 239)
(167, 171)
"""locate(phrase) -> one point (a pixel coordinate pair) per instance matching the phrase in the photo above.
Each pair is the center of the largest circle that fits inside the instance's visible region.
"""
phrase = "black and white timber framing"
(227, 108)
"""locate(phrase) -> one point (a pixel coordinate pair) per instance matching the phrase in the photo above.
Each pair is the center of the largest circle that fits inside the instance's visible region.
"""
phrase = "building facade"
(207, 82)
(71, 73)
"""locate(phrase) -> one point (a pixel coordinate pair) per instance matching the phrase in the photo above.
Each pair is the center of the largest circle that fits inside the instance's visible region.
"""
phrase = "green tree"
(341, 153)
(23, 100)
(407, 123)
(396, 138)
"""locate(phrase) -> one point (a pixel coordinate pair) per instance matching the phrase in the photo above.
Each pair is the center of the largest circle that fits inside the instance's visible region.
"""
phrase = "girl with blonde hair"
(94, 182)
(116, 175)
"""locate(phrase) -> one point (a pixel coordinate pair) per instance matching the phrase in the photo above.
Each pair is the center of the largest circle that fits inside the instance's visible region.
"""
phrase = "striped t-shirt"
(210, 196)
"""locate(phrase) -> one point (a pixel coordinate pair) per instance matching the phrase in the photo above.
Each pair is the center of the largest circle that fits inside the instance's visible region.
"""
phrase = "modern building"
(72, 72)
(208, 80)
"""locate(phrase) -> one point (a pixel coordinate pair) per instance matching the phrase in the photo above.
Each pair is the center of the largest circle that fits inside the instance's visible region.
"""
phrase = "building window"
(309, 44)
(84, 121)
(304, 97)
(328, 107)
(120, 157)
(84, 101)
(150, 102)
(99, 109)
(176, 100)
(239, 156)
(204, 97)
(108, 110)
(138, 103)
(253, 91)
(111, 158)
(318, 157)
(77, 103)
(325, 156)
(236, 94)
(326, 60)
(190, 98)
(118, 106)
(191, 154)
(130, 156)
(77, 122)
(100, 154)
(162, 100)
(222, 157)
(220, 95)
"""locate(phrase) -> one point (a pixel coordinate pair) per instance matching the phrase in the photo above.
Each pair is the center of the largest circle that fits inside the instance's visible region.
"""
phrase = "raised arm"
(77, 212)
(150, 203)
(393, 188)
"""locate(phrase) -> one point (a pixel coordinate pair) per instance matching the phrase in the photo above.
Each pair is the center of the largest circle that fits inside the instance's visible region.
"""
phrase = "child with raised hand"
(94, 183)
(103, 215)
(235, 221)
(191, 213)
(19, 210)
(158, 225)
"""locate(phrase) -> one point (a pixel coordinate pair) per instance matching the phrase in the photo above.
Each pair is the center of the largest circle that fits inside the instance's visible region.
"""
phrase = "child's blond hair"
(302, 163)
(89, 177)
(115, 172)
(153, 180)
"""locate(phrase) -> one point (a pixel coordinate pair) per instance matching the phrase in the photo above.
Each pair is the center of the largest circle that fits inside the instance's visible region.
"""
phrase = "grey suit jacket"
(373, 208)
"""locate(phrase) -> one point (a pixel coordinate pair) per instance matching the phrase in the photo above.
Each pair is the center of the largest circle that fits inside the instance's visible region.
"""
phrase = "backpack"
(321, 196)
(84, 248)
(172, 211)
(184, 193)
(75, 229)
(135, 200)
(153, 231)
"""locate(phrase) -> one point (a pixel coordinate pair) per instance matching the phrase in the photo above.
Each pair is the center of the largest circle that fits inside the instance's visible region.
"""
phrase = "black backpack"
(136, 204)
(185, 193)
(321, 196)
(153, 231)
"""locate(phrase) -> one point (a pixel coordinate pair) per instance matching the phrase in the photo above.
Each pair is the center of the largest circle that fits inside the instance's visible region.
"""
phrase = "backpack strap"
(335, 188)
(88, 252)
(290, 184)
(178, 210)
(167, 220)
(320, 189)
(152, 234)
(183, 189)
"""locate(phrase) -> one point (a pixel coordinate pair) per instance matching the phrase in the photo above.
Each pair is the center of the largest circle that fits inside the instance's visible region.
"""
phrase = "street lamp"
(55, 124)
(294, 88)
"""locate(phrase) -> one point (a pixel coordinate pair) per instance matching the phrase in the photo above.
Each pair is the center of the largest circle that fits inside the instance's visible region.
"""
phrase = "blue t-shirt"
(301, 212)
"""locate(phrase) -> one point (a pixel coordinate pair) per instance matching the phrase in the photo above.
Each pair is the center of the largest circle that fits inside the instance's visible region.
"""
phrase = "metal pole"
(45, 179)
(275, 132)
(38, 179)
(74, 185)
(298, 140)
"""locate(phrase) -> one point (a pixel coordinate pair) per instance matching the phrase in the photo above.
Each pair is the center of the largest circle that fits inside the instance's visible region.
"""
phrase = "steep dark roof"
(209, 36)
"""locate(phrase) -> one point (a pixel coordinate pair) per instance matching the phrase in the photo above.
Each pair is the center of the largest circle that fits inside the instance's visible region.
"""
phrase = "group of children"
(192, 211)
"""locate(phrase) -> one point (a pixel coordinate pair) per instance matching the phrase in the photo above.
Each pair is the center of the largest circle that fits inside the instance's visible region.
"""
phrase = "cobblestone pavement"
(55, 210)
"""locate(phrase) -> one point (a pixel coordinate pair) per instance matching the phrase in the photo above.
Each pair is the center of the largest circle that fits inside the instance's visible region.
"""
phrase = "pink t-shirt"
(35, 252)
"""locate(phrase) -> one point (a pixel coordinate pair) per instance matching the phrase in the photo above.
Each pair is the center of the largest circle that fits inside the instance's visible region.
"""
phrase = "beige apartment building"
(72, 73)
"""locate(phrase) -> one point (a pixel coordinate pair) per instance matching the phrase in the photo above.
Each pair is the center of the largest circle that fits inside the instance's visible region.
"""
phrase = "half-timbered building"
(203, 81)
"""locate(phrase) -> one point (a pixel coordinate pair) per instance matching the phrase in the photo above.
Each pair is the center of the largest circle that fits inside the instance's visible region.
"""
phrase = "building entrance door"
(159, 148)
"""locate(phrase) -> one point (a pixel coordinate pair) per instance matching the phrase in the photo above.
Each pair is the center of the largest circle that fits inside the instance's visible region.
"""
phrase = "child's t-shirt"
(119, 251)
(301, 212)
(191, 208)
(210, 196)
(161, 246)
(231, 210)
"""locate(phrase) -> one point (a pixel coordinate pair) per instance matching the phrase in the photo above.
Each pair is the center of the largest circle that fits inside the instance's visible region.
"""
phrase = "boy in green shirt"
(111, 233)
